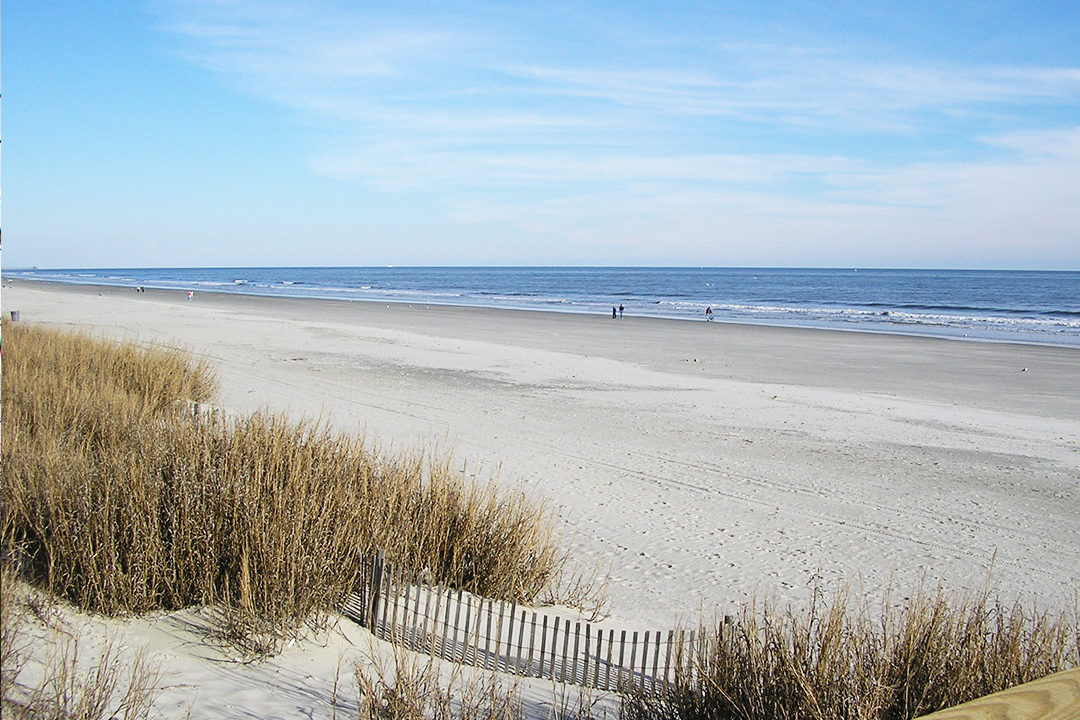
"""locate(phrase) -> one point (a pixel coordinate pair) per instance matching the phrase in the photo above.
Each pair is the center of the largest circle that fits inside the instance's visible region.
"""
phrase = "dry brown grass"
(62, 681)
(411, 687)
(119, 498)
(831, 662)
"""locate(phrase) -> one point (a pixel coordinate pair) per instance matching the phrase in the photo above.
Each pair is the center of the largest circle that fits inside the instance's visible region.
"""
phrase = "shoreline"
(942, 332)
(708, 463)
(876, 373)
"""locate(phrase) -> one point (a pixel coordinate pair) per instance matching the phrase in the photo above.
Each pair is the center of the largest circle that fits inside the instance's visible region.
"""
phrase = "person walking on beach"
(613, 315)
(190, 294)
(708, 314)
(620, 312)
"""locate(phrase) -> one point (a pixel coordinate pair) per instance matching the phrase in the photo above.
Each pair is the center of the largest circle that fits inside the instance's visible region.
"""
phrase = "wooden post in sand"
(543, 643)
(607, 668)
(376, 588)
(520, 642)
(667, 655)
(565, 645)
(457, 620)
(554, 645)
(532, 644)
(585, 670)
(435, 619)
(622, 658)
(446, 624)
(656, 658)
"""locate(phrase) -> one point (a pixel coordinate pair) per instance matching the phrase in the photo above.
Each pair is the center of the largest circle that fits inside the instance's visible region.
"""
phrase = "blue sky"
(243, 132)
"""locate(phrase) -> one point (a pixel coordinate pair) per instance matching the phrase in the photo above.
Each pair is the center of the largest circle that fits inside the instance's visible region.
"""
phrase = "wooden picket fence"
(454, 625)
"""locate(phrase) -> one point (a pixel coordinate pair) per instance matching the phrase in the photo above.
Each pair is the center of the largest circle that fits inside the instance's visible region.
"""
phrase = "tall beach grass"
(119, 497)
(839, 661)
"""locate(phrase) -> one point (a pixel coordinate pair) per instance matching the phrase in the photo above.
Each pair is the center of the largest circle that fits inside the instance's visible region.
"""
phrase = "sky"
(202, 133)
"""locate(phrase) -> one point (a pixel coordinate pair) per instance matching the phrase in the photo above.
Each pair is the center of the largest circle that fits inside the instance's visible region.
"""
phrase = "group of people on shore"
(617, 312)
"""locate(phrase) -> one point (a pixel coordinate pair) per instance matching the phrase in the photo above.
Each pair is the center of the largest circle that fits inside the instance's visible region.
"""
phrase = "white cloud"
(485, 124)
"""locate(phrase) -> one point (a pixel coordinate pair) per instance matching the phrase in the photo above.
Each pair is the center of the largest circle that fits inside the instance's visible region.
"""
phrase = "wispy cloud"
(352, 66)
(725, 140)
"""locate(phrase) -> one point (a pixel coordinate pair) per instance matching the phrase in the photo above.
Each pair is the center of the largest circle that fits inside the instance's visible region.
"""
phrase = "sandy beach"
(707, 463)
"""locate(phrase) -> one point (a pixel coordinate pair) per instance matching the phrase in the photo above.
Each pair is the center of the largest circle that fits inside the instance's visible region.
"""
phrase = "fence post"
(644, 658)
(543, 647)
(457, 622)
(468, 619)
(667, 655)
(599, 657)
(435, 619)
(585, 672)
(510, 637)
(418, 640)
(574, 663)
(446, 623)
(532, 644)
(622, 656)
(376, 588)
(393, 590)
(607, 668)
(487, 630)
(554, 645)
(377, 571)
(656, 659)
(520, 642)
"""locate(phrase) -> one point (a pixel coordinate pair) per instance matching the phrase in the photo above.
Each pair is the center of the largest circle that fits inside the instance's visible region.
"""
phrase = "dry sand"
(706, 462)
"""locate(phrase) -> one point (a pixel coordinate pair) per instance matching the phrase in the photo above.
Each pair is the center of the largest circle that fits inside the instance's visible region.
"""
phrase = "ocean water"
(1010, 306)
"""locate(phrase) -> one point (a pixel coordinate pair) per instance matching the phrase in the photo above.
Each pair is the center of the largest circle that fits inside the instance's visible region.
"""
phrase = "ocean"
(996, 305)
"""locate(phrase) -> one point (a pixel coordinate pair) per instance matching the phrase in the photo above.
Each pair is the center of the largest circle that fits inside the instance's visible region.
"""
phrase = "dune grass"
(120, 496)
(836, 662)
(66, 680)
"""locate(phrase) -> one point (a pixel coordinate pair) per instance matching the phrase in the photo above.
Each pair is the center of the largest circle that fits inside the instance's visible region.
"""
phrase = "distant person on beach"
(620, 311)
(613, 311)
(708, 314)
(190, 294)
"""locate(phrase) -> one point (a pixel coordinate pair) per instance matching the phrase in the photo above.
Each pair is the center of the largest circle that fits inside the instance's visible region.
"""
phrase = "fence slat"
(554, 644)
(622, 655)
(376, 587)
(656, 658)
(574, 662)
(532, 644)
(446, 623)
(393, 588)
(468, 619)
(417, 642)
(599, 657)
(520, 642)
(565, 645)
(585, 671)
(435, 619)
(509, 637)
(607, 670)
(457, 621)
(644, 658)
(543, 646)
